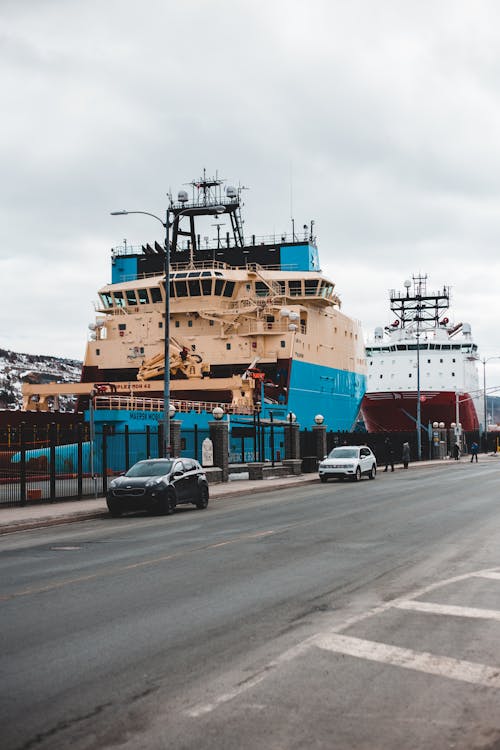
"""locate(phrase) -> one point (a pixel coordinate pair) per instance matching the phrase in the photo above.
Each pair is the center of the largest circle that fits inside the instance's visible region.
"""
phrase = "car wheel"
(168, 503)
(373, 472)
(202, 501)
(323, 479)
(114, 511)
(357, 475)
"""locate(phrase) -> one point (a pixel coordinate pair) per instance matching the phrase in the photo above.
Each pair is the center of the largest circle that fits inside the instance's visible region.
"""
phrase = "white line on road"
(487, 674)
(493, 574)
(286, 656)
(449, 609)
(419, 661)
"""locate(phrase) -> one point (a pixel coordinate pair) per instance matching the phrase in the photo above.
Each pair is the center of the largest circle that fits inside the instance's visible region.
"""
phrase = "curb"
(260, 488)
(40, 523)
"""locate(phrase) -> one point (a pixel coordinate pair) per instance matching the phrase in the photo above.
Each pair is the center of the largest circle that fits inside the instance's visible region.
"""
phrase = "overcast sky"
(380, 120)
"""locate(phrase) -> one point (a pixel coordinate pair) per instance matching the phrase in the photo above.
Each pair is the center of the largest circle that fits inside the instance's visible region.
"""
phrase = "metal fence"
(60, 463)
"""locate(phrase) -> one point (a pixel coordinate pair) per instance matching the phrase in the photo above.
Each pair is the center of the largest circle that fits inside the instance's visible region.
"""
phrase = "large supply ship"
(421, 355)
(253, 324)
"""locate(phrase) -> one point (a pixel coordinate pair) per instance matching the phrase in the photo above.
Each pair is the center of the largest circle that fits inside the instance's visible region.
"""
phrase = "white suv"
(348, 461)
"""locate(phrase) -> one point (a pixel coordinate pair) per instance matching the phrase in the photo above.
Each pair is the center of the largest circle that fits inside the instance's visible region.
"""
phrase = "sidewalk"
(51, 514)
(60, 512)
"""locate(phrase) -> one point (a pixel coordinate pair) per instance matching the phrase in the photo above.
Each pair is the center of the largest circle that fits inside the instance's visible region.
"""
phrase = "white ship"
(421, 354)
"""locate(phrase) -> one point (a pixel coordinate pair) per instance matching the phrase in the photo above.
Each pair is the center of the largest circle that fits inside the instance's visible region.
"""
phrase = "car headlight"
(154, 482)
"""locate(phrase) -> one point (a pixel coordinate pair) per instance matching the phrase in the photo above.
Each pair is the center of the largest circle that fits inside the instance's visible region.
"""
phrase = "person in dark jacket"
(389, 454)
(406, 455)
(474, 449)
(456, 451)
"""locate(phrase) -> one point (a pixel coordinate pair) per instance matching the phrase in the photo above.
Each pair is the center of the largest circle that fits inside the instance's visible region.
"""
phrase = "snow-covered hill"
(17, 368)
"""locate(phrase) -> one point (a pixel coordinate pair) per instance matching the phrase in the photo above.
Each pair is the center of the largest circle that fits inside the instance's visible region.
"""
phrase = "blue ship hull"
(314, 389)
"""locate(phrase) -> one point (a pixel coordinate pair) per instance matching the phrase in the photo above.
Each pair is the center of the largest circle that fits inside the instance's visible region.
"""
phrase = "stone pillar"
(319, 432)
(175, 437)
(292, 440)
(220, 439)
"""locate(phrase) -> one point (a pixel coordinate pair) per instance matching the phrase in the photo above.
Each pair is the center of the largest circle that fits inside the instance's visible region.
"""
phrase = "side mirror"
(177, 474)
(324, 457)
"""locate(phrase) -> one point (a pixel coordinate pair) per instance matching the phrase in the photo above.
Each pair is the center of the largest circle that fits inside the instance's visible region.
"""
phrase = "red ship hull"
(396, 411)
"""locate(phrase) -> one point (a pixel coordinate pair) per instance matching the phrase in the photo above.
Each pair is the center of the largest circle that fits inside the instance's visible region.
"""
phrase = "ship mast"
(208, 198)
(425, 308)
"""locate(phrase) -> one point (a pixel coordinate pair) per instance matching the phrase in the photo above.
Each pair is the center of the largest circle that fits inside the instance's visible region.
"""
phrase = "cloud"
(377, 120)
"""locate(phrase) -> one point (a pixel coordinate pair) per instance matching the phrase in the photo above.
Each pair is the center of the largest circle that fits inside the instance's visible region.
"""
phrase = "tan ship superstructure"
(224, 321)
(252, 322)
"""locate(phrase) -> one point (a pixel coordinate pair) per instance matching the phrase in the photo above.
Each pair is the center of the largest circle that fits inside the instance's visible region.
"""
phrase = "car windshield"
(150, 469)
(344, 453)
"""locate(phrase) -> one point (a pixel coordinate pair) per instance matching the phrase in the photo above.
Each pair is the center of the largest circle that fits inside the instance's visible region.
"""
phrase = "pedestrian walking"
(406, 455)
(456, 451)
(389, 454)
(474, 449)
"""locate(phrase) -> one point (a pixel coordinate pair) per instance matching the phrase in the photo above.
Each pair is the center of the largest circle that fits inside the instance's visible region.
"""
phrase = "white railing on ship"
(143, 403)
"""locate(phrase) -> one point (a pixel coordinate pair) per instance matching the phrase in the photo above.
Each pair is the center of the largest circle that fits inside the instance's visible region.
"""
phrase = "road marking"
(286, 656)
(449, 609)
(493, 574)
(418, 661)
(442, 666)
(133, 566)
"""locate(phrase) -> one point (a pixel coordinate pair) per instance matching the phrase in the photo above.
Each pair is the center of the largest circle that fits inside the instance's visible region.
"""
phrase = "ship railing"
(148, 404)
(224, 243)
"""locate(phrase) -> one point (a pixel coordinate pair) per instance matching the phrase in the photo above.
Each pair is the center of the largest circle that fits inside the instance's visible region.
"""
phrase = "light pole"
(166, 377)
(419, 434)
(484, 360)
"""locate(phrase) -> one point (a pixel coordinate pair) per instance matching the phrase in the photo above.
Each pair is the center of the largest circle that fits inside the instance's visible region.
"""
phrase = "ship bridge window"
(180, 289)
(206, 273)
(447, 347)
(194, 288)
(143, 296)
(311, 287)
(194, 275)
(206, 286)
(219, 286)
(155, 294)
(295, 288)
(182, 275)
(119, 301)
(228, 291)
(401, 347)
(131, 298)
(107, 299)
(456, 347)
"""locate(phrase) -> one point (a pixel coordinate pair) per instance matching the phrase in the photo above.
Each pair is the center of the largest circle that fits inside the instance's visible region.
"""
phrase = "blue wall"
(123, 268)
(300, 258)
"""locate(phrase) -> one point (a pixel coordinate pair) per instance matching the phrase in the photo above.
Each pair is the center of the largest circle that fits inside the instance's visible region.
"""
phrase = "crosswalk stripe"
(493, 574)
(419, 661)
(448, 609)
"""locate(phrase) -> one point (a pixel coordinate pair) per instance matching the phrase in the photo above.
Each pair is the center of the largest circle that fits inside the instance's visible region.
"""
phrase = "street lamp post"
(419, 434)
(484, 360)
(166, 377)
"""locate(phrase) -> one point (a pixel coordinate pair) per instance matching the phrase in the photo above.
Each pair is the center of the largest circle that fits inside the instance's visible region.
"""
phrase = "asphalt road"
(327, 616)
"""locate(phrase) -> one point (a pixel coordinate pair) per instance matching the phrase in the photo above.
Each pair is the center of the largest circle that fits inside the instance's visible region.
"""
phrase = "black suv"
(158, 485)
